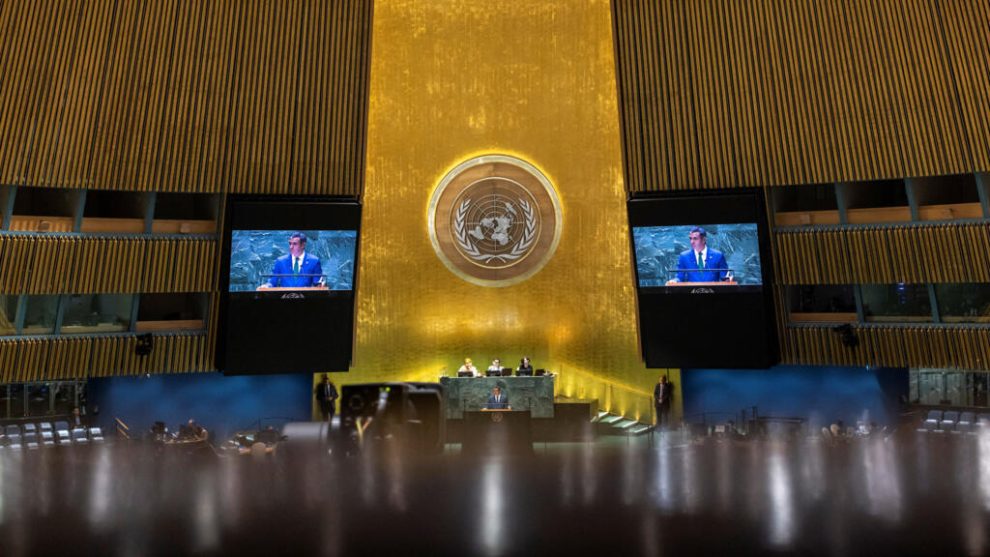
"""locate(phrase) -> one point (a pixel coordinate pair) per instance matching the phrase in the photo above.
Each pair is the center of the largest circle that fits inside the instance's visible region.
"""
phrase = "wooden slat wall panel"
(717, 94)
(268, 52)
(82, 265)
(37, 359)
(966, 25)
(329, 140)
(944, 253)
(924, 346)
(197, 96)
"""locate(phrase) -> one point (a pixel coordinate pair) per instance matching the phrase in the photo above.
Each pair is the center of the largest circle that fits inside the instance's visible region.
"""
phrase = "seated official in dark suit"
(498, 401)
(525, 367)
(494, 370)
(296, 268)
(701, 263)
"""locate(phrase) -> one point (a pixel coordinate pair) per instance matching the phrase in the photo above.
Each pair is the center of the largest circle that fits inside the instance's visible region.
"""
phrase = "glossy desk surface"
(616, 496)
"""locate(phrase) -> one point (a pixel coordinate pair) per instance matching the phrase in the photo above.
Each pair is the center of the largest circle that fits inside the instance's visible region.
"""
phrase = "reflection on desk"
(497, 432)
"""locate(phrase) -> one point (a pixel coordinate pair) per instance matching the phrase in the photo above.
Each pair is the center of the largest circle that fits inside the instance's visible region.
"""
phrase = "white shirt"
(704, 256)
(301, 257)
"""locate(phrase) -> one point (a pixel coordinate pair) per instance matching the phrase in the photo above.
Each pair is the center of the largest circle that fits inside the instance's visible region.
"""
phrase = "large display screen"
(289, 282)
(699, 261)
(722, 255)
(286, 259)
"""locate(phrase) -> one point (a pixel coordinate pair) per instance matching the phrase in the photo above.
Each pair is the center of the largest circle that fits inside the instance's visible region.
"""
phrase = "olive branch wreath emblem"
(518, 250)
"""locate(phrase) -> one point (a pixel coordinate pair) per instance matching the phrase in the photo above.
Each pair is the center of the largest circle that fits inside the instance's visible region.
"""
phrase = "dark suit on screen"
(687, 264)
(501, 403)
(309, 273)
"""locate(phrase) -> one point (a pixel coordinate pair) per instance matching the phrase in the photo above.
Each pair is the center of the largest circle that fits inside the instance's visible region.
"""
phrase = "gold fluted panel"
(83, 265)
(197, 96)
(43, 359)
(892, 346)
(531, 79)
(716, 94)
(884, 254)
(966, 25)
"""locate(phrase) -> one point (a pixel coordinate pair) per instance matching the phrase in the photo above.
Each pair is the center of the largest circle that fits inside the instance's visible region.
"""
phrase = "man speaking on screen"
(701, 263)
(296, 269)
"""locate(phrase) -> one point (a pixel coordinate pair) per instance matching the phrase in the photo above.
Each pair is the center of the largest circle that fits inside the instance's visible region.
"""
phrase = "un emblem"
(494, 220)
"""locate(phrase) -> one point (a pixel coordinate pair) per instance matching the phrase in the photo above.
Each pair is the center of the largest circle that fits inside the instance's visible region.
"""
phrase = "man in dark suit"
(498, 401)
(701, 263)
(326, 397)
(296, 268)
(663, 394)
(525, 367)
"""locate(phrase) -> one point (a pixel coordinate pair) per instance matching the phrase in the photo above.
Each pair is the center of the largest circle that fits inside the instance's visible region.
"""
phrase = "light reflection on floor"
(613, 496)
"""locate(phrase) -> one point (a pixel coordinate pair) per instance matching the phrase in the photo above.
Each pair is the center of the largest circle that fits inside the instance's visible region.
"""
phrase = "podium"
(497, 432)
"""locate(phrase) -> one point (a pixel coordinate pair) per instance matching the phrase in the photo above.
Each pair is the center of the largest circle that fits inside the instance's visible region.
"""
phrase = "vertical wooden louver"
(200, 96)
(204, 96)
(947, 253)
(721, 94)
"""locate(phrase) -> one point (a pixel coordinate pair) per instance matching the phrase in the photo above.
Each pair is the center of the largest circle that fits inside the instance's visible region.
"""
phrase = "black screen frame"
(255, 212)
(664, 345)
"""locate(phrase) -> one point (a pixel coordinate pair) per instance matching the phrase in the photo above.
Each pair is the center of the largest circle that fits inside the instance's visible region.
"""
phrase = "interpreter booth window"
(963, 303)
(8, 310)
(14, 395)
(97, 313)
(807, 302)
(896, 303)
(39, 399)
(39, 317)
(172, 311)
(949, 387)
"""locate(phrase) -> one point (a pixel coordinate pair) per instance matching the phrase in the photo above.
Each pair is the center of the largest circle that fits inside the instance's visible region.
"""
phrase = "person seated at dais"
(525, 367)
(495, 368)
(498, 401)
(468, 369)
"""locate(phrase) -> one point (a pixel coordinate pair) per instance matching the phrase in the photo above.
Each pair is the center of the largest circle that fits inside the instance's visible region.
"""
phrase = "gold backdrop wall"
(536, 80)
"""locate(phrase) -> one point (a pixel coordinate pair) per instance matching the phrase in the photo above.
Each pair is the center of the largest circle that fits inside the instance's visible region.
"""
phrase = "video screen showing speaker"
(723, 255)
(701, 260)
(292, 260)
(289, 273)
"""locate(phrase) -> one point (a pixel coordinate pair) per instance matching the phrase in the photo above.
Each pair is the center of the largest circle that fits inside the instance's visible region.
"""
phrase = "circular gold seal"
(495, 220)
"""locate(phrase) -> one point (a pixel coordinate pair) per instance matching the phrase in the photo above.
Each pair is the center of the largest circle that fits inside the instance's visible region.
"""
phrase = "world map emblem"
(495, 220)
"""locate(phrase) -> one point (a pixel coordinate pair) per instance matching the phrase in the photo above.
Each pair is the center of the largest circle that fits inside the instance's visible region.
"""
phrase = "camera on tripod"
(407, 415)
